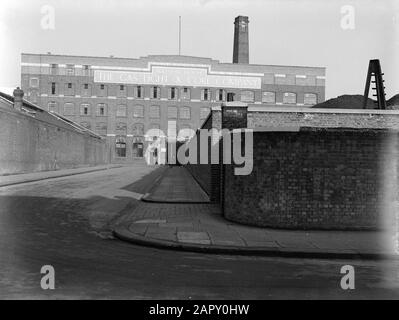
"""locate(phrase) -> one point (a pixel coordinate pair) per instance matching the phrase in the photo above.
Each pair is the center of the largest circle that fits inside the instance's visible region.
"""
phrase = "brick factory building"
(123, 98)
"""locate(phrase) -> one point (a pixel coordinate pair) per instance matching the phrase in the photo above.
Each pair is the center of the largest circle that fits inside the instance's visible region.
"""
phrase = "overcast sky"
(283, 32)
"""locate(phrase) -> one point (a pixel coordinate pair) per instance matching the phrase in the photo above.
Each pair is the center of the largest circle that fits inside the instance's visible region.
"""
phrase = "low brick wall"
(315, 179)
(29, 144)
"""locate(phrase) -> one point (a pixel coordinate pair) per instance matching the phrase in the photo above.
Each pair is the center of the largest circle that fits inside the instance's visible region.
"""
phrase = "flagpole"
(179, 35)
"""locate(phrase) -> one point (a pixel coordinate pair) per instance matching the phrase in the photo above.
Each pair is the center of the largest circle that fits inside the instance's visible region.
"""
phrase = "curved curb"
(122, 232)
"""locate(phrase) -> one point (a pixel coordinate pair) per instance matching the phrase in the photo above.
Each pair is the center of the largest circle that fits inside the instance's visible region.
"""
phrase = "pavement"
(13, 179)
(198, 226)
(176, 185)
(66, 223)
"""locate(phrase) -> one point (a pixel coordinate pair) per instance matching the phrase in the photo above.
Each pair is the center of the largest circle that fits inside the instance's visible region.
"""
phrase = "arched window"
(154, 112)
(34, 82)
(185, 113)
(137, 148)
(172, 112)
(268, 97)
(69, 109)
(310, 99)
(121, 110)
(52, 106)
(247, 96)
(138, 112)
(120, 146)
(289, 97)
(85, 109)
(86, 90)
(101, 109)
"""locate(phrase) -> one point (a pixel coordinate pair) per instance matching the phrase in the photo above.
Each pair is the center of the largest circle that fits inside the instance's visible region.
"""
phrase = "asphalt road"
(64, 222)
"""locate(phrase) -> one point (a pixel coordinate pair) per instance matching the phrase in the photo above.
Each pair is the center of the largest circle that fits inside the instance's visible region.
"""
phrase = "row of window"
(121, 110)
(69, 70)
(121, 127)
(174, 93)
(185, 94)
(121, 143)
(120, 147)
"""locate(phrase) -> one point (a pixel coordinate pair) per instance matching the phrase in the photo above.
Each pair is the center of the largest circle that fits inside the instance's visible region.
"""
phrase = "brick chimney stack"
(18, 95)
(241, 42)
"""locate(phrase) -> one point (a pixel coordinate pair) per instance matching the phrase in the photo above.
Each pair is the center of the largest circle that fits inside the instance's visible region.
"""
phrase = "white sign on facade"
(178, 76)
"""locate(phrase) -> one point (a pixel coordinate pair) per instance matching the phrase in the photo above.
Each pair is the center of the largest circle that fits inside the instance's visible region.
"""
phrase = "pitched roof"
(49, 117)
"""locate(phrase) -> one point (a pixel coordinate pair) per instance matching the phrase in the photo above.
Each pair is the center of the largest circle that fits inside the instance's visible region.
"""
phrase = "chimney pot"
(18, 98)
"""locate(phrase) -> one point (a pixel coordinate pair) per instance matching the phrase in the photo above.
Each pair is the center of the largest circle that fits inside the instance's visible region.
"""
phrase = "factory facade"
(132, 101)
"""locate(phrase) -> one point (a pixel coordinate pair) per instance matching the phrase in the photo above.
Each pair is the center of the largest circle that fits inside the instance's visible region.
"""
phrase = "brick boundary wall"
(28, 145)
(315, 179)
(208, 175)
(347, 148)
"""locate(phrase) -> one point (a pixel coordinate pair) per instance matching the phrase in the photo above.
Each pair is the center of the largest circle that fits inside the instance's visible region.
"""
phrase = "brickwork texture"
(331, 170)
(314, 179)
(28, 144)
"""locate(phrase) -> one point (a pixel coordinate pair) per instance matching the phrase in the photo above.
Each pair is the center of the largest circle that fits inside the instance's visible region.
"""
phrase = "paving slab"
(192, 235)
(139, 229)
(196, 241)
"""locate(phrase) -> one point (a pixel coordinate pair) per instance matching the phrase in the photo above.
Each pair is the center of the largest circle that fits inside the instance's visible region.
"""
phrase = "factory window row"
(185, 94)
(70, 70)
(268, 97)
(173, 112)
(137, 129)
(174, 93)
(121, 143)
(102, 90)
